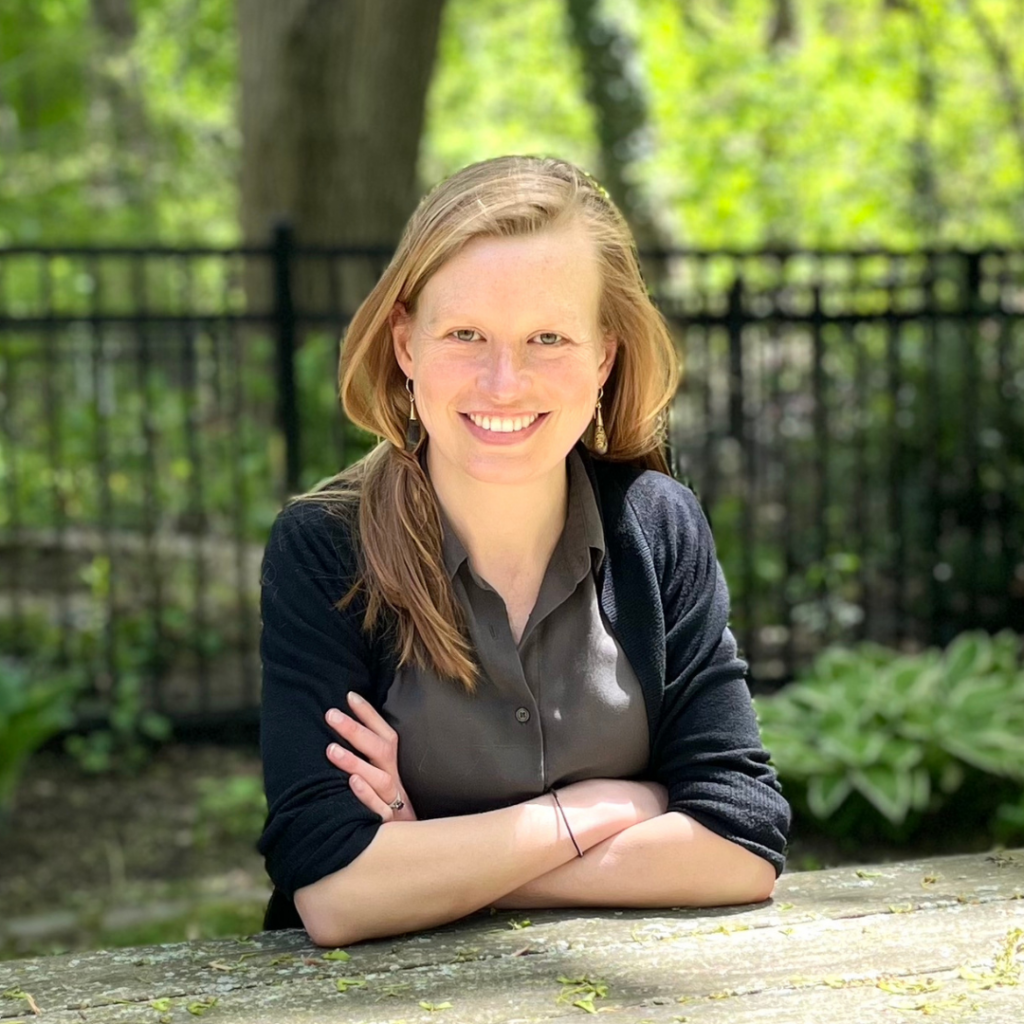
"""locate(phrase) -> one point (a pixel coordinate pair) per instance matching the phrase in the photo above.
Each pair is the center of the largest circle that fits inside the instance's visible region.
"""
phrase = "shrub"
(36, 702)
(902, 731)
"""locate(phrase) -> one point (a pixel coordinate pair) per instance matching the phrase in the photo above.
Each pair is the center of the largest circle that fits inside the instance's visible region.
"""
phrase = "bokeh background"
(828, 197)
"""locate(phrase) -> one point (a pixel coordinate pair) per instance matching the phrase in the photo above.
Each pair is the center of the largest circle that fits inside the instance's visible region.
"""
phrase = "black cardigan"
(666, 601)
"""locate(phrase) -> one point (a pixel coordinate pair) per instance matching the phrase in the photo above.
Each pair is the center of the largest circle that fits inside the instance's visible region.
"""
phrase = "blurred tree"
(926, 202)
(615, 90)
(773, 120)
(332, 108)
(117, 121)
(1009, 87)
(118, 109)
(782, 25)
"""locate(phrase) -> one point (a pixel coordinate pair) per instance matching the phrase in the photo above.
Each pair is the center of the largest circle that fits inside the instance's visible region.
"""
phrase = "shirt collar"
(583, 519)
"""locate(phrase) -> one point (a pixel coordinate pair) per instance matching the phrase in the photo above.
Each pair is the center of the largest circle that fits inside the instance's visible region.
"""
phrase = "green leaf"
(966, 657)
(826, 793)
(336, 954)
(344, 984)
(888, 791)
(853, 749)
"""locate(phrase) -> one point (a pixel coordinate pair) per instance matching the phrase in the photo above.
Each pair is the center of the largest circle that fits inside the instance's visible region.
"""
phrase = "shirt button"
(522, 715)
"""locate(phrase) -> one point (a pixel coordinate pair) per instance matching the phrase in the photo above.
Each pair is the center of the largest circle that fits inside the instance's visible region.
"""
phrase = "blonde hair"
(397, 530)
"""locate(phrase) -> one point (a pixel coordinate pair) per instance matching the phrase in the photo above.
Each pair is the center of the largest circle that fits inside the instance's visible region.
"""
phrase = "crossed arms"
(421, 874)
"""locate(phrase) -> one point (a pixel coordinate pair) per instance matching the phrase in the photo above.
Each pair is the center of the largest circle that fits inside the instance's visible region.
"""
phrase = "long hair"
(385, 497)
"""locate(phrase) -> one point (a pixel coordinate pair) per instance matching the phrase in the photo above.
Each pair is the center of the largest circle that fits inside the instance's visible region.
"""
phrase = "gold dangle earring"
(413, 433)
(600, 437)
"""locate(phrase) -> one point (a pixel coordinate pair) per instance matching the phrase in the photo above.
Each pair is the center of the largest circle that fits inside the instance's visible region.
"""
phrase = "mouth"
(503, 429)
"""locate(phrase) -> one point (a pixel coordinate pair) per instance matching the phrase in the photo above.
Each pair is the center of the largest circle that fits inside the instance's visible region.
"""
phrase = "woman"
(497, 663)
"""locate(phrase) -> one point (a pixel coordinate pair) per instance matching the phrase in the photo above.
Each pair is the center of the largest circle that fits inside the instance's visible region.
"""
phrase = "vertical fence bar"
(105, 578)
(55, 452)
(933, 563)
(9, 457)
(821, 452)
(738, 430)
(284, 315)
(239, 458)
(197, 520)
(150, 484)
(974, 508)
(896, 550)
(784, 536)
(1010, 398)
(861, 484)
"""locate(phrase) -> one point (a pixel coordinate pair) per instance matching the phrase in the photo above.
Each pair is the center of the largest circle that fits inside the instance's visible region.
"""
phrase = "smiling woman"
(507, 332)
(518, 606)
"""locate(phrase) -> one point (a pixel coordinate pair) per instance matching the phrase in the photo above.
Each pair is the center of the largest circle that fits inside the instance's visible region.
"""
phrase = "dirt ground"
(81, 845)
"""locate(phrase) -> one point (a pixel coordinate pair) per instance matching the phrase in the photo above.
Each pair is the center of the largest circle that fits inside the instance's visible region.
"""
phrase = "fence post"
(735, 321)
(739, 429)
(284, 318)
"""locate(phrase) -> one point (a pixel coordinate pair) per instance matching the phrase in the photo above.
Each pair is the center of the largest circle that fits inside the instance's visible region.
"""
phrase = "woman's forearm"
(667, 861)
(420, 874)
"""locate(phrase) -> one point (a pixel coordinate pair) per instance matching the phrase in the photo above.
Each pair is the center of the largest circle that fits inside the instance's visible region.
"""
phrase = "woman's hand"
(375, 782)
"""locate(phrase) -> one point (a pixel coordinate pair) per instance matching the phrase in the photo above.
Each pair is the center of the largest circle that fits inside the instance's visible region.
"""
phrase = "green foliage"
(106, 141)
(124, 745)
(485, 102)
(817, 141)
(148, 435)
(234, 807)
(36, 702)
(903, 731)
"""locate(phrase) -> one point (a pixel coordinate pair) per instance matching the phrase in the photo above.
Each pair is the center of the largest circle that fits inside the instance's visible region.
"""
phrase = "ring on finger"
(397, 804)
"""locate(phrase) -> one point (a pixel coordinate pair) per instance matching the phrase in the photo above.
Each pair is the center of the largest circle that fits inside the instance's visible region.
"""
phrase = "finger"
(370, 717)
(367, 742)
(382, 782)
(369, 798)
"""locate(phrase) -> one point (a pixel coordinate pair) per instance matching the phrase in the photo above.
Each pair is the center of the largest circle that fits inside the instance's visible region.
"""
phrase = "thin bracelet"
(566, 820)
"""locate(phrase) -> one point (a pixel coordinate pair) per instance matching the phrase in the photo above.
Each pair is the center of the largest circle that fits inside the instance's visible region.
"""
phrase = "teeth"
(503, 425)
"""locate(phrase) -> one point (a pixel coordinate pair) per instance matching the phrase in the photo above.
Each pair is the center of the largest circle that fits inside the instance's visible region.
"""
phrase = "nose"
(503, 374)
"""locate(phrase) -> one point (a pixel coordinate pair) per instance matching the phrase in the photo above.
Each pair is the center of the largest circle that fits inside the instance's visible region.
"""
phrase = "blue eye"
(464, 330)
(549, 334)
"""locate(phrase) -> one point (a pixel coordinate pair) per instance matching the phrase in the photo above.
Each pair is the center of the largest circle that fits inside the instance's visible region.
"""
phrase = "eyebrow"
(450, 314)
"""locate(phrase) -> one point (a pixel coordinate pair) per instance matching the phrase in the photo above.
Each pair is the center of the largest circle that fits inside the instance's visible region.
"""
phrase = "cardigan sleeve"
(312, 655)
(707, 750)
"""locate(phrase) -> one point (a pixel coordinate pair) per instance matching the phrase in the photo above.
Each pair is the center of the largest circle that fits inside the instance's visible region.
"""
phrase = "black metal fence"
(852, 423)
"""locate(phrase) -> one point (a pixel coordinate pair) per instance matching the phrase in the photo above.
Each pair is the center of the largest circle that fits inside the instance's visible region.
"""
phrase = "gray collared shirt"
(562, 705)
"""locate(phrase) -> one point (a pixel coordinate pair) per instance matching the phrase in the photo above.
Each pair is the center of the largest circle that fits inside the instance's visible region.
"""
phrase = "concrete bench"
(941, 938)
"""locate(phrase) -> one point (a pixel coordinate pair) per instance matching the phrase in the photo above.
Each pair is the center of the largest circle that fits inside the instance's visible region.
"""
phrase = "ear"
(400, 323)
(611, 348)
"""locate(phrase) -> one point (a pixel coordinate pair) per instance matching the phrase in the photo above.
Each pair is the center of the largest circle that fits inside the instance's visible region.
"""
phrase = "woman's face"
(506, 354)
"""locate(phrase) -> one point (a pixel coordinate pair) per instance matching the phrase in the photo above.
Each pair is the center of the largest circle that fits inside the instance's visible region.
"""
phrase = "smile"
(504, 430)
(503, 424)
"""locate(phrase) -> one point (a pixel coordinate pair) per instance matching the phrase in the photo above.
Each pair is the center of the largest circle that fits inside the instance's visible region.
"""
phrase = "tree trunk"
(927, 204)
(332, 107)
(615, 92)
(782, 27)
(119, 110)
